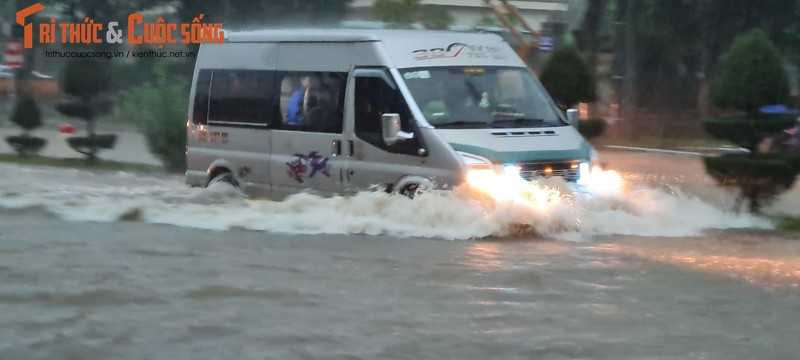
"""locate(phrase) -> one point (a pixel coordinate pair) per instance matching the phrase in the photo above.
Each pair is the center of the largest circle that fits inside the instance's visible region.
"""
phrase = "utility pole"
(21, 74)
(629, 78)
(623, 67)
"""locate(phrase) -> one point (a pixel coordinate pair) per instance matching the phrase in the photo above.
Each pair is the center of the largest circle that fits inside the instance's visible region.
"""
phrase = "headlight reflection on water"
(774, 265)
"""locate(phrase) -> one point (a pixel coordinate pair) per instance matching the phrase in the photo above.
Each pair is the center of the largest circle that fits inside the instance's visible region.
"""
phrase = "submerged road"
(88, 269)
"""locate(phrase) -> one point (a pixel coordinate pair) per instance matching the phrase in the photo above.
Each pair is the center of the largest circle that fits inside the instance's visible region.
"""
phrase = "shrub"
(568, 79)
(759, 178)
(435, 17)
(85, 78)
(129, 75)
(159, 110)
(747, 132)
(26, 146)
(592, 128)
(751, 75)
(26, 115)
(84, 145)
(86, 83)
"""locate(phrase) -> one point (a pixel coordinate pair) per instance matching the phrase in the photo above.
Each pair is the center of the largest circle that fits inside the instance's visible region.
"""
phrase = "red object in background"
(13, 53)
(66, 129)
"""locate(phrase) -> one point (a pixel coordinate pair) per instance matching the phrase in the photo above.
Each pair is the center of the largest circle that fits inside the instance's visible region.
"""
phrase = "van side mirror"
(572, 116)
(390, 124)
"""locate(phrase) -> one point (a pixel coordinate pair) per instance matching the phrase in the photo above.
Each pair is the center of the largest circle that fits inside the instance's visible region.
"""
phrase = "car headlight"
(476, 166)
(511, 169)
(584, 173)
(475, 162)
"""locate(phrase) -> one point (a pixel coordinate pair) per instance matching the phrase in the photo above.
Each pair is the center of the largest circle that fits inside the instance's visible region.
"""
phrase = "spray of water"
(549, 208)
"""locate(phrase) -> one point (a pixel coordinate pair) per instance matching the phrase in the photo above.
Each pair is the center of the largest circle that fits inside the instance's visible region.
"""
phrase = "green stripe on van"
(508, 157)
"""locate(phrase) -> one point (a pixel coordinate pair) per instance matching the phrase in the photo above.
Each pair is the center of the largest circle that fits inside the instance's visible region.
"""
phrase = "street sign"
(546, 43)
(13, 53)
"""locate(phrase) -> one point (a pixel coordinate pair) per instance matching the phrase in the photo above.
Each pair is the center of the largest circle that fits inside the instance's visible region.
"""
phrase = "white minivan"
(276, 112)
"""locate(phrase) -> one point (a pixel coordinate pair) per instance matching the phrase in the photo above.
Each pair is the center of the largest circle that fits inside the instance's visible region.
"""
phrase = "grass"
(788, 223)
(102, 165)
(664, 143)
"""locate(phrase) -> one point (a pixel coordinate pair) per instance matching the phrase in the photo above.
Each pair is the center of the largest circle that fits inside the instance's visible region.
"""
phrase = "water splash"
(556, 209)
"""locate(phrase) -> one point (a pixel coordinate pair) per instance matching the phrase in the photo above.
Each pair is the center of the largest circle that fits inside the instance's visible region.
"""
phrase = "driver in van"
(294, 110)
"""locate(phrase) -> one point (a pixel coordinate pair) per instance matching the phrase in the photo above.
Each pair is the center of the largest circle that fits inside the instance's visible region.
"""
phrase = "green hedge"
(159, 110)
(26, 113)
(26, 145)
(750, 75)
(759, 177)
(747, 132)
(85, 145)
(735, 169)
(591, 128)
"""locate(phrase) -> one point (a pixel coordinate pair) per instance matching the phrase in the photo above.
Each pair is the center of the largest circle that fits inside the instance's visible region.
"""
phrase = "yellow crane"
(504, 11)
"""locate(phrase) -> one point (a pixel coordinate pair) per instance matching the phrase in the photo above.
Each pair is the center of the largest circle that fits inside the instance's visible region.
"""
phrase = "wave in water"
(556, 210)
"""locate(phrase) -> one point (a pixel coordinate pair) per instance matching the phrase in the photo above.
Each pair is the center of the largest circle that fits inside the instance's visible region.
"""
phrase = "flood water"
(124, 266)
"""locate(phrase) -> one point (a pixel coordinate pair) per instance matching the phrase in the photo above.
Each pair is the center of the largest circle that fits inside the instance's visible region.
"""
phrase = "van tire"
(409, 190)
(224, 177)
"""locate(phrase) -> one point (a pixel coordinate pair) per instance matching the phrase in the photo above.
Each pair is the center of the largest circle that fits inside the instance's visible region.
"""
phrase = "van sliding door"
(308, 146)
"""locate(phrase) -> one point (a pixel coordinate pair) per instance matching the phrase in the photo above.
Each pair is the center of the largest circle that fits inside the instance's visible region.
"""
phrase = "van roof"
(335, 35)
(398, 48)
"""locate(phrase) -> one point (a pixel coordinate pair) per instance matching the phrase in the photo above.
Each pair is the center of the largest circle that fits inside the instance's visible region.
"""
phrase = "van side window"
(312, 101)
(200, 111)
(373, 98)
(242, 98)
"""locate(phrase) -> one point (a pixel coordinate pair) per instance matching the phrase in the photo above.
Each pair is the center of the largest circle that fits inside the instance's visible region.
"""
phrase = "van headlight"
(480, 170)
(476, 162)
(584, 173)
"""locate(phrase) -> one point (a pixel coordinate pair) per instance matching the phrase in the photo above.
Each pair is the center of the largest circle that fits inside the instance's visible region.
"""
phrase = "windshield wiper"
(461, 123)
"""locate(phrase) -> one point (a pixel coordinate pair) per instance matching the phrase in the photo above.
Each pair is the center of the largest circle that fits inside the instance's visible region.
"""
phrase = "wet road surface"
(106, 286)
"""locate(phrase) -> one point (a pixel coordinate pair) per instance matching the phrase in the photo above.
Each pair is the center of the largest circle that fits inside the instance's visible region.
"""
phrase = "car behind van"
(338, 111)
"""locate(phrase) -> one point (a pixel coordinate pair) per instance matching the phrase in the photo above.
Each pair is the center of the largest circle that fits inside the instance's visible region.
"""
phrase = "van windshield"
(480, 97)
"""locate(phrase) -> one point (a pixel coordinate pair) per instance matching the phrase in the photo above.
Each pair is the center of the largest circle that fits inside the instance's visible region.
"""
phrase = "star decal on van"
(299, 167)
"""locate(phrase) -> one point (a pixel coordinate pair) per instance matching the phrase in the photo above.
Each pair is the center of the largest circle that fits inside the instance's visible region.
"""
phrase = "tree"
(750, 76)
(86, 85)
(399, 13)
(159, 110)
(84, 78)
(26, 115)
(435, 17)
(250, 14)
(568, 79)
(103, 11)
(677, 44)
(718, 30)
(404, 13)
(589, 38)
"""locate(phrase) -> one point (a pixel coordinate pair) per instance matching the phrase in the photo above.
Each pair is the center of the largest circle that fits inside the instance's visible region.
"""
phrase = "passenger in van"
(294, 110)
(320, 106)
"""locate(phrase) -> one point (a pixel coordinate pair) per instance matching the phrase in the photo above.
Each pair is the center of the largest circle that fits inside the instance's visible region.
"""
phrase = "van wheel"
(410, 190)
(224, 177)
